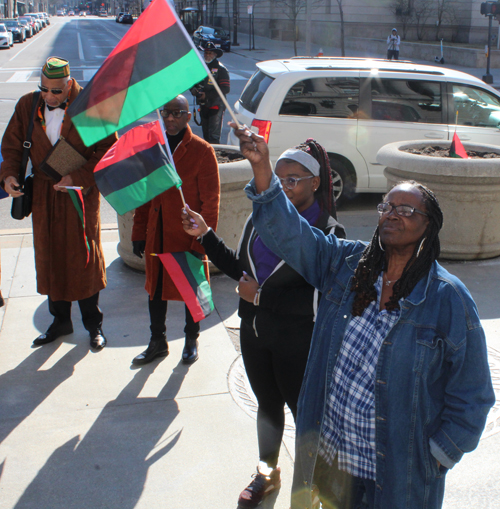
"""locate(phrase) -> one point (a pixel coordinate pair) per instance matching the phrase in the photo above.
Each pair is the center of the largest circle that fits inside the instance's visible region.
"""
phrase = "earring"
(380, 244)
(421, 246)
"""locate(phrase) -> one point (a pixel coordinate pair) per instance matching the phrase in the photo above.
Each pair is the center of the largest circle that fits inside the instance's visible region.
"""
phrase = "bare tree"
(403, 12)
(422, 10)
(342, 32)
(446, 14)
(292, 9)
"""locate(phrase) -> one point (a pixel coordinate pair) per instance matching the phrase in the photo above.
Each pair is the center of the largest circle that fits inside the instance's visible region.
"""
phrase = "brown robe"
(60, 251)
(196, 164)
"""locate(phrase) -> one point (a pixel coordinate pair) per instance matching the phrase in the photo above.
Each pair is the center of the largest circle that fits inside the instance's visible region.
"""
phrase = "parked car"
(83, 14)
(127, 19)
(103, 14)
(217, 35)
(71, 13)
(27, 27)
(16, 29)
(38, 23)
(35, 26)
(6, 39)
(45, 17)
(355, 106)
(60, 12)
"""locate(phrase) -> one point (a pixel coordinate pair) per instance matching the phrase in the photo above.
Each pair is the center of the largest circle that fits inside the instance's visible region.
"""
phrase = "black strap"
(27, 143)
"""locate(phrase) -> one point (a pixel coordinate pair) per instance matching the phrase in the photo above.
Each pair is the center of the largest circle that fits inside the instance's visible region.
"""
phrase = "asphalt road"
(85, 43)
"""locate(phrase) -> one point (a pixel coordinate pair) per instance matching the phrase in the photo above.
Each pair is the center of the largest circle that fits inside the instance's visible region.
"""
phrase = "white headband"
(303, 158)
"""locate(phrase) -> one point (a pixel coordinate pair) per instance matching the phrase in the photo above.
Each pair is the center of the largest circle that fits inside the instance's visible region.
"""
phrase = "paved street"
(80, 430)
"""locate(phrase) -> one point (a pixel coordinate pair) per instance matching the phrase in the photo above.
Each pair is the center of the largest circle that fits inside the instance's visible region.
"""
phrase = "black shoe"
(156, 348)
(56, 330)
(190, 352)
(97, 339)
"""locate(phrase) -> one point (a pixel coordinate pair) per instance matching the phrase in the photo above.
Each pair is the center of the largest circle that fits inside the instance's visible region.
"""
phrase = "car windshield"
(2, 28)
(218, 32)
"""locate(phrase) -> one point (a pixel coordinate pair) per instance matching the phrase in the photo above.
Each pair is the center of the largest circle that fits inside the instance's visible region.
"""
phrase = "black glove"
(139, 246)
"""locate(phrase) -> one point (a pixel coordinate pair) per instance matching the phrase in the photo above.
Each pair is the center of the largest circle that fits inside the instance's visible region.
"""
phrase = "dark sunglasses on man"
(53, 91)
(174, 113)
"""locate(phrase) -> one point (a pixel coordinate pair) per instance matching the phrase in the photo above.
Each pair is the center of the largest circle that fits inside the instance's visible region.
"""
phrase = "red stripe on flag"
(185, 289)
(133, 141)
(156, 17)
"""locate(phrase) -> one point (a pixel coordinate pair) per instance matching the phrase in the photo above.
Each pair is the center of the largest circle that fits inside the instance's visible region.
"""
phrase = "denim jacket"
(433, 383)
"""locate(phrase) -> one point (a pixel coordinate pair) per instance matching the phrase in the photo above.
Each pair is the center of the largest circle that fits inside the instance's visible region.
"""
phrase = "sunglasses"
(174, 113)
(401, 210)
(54, 91)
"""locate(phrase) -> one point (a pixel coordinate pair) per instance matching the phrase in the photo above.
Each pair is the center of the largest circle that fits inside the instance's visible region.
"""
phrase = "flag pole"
(162, 127)
(224, 100)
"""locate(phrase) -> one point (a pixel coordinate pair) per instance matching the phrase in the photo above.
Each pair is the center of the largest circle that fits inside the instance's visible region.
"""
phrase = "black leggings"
(275, 365)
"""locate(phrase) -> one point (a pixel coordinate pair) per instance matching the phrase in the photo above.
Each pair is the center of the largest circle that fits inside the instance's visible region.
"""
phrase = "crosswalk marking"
(20, 76)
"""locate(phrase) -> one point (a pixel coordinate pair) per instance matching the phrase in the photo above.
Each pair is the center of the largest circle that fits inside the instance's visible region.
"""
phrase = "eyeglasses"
(54, 91)
(291, 182)
(174, 113)
(401, 210)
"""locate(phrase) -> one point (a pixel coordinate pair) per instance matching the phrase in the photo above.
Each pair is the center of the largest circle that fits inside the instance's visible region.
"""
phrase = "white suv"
(354, 106)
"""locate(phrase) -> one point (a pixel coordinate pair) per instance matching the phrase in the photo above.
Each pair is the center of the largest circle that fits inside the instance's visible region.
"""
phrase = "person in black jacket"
(277, 306)
(211, 105)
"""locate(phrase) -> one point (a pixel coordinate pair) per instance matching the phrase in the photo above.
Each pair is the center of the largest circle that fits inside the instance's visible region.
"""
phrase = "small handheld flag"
(136, 168)
(188, 275)
(457, 149)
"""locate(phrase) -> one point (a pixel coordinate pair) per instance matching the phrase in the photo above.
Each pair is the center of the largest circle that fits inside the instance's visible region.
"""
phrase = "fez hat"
(55, 68)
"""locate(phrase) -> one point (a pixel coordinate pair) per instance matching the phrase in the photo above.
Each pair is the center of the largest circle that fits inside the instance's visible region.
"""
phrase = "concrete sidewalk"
(87, 431)
(270, 49)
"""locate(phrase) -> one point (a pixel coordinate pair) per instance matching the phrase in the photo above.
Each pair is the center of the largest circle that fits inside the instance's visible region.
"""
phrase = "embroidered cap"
(55, 68)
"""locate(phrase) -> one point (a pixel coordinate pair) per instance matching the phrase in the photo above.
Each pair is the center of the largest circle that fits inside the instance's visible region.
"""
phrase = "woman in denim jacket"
(397, 386)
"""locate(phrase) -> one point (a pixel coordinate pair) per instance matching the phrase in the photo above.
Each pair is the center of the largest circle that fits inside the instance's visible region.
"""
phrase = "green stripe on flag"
(144, 97)
(198, 271)
(144, 190)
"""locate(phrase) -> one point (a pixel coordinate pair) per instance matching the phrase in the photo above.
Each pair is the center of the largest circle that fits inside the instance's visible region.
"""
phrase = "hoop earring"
(421, 246)
(380, 244)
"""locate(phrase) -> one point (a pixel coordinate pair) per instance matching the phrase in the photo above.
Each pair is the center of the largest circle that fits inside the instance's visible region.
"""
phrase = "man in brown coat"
(158, 229)
(59, 244)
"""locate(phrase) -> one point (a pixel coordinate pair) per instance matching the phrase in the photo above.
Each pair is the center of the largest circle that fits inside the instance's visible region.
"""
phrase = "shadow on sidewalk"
(25, 387)
(107, 468)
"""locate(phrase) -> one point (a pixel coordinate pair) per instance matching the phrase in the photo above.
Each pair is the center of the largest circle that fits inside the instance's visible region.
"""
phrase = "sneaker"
(259, 488)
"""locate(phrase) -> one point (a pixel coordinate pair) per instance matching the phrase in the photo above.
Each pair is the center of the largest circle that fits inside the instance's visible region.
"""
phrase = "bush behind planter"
(468, 191)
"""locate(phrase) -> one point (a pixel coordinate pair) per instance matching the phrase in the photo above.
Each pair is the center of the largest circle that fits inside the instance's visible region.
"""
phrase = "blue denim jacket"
(432, 380)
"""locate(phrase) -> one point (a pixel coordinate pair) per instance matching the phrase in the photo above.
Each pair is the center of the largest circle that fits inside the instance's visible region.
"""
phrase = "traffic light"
(490, 8)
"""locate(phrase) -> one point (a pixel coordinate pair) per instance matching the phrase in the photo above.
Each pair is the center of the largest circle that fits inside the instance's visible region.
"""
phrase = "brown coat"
(196, 164)
(60, 252)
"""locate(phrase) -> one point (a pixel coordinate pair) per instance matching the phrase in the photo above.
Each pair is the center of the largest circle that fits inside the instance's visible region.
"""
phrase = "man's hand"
(247, 287)
(193, 223)
(138, 247)
(12, 187)
(65, 181)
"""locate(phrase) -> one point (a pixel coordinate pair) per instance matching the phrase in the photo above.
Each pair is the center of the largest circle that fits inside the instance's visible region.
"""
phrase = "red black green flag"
(77, 199)
(136, 168)
(188, 275)
(153, 63)
(457, 149)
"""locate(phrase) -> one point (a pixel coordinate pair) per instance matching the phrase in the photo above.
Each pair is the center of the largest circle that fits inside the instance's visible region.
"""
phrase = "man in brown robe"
(158, 229)
(62, 271)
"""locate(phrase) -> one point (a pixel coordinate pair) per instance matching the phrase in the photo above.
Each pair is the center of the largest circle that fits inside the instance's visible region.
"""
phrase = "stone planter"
(468, 191)
(235, 207)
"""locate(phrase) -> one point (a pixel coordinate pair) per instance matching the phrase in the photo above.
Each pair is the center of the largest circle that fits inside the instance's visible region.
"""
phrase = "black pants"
(158, 314)
(91, 313)
(340, 490)
(392, 53)
(212, 125)
(275, 365)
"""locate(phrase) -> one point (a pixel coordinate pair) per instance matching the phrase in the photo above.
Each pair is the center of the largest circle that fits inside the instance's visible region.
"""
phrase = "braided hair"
(324, 193)
(373, 261)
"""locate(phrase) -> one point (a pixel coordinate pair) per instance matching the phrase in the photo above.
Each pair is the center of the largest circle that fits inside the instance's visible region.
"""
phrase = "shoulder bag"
(21, 206)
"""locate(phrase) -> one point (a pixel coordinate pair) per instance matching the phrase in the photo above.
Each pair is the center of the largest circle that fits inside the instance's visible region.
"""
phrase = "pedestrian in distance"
(393, 42)
(62, 270)
(157, 229)
(211, 105)
(397, 386)
(277, 306)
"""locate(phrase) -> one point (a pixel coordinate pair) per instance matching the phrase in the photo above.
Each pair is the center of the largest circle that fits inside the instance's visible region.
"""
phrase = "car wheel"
(343, 180)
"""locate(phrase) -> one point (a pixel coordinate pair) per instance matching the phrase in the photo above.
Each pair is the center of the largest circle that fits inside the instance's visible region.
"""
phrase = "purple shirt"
(265, 259)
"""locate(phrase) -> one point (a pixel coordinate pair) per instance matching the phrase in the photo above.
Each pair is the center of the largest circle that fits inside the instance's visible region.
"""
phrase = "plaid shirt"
(349, 424)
